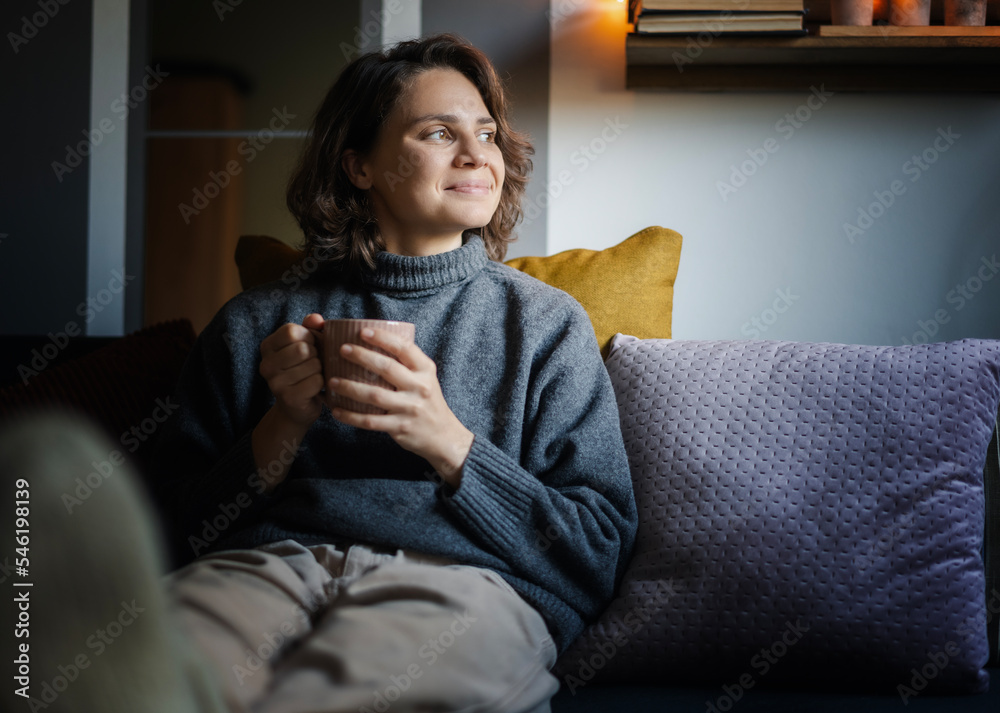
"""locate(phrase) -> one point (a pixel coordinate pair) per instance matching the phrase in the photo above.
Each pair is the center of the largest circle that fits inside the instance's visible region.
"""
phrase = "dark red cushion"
(124, 387)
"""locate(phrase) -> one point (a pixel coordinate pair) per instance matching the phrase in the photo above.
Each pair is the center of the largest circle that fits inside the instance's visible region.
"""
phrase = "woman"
(356, 559)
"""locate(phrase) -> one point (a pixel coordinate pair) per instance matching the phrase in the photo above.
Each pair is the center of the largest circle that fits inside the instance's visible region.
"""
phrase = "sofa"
(819, 524)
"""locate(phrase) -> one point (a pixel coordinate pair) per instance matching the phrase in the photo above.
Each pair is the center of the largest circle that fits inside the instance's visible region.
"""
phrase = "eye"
(438, 134)
(488, 135)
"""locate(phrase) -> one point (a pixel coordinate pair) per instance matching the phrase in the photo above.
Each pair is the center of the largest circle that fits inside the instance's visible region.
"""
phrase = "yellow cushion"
(627, 288)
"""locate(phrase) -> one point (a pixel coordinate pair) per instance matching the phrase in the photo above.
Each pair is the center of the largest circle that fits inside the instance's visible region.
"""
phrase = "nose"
(471, 151)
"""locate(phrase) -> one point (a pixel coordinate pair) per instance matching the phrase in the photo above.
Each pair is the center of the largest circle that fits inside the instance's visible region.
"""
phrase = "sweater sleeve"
(565, 509)
(204, 475)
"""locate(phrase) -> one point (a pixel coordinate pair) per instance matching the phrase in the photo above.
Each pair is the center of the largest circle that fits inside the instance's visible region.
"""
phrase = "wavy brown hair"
(336, 217)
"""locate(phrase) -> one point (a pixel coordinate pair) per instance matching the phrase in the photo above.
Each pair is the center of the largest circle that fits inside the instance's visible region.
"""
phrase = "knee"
(454, 588)
(470, 642)
(472, 608)
(219, 565)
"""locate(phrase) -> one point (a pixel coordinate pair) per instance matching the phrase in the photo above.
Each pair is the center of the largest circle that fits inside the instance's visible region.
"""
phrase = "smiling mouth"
(472, 189)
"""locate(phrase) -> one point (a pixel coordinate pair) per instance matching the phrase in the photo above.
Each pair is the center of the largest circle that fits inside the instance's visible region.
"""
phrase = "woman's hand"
(290, 364)
(417, 416)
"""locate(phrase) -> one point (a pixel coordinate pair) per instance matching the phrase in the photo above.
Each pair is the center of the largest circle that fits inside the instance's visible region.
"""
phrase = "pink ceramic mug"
(337, 332)
(909, 13)
(851, 12)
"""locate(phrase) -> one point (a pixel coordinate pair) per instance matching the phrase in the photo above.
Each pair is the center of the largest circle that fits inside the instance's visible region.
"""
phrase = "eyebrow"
(449, 119)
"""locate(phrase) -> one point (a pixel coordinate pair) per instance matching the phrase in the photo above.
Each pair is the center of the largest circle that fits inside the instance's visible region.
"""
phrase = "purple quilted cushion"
(808, 513)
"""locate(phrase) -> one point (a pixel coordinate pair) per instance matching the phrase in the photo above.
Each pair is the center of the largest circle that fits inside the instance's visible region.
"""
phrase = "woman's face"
(436, 170)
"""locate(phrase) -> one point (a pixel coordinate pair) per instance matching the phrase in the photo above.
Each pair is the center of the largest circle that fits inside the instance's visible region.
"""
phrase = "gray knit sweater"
(545, 499)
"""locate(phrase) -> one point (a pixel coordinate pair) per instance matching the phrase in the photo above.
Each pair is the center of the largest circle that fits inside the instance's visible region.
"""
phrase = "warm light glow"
(589, 37)
(880, 10)
(602, 21)
(613, 22)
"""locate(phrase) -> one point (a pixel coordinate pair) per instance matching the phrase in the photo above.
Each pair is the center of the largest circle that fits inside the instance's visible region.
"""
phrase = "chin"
(474, 222)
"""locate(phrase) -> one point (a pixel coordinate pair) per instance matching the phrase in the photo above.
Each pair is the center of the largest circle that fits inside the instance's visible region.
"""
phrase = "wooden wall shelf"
(773, 63)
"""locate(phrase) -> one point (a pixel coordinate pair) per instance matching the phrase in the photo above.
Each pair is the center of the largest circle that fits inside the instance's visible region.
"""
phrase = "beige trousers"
(296, 629)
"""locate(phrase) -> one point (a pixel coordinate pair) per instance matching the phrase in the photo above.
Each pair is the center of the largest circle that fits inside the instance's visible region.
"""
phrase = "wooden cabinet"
(193, 200)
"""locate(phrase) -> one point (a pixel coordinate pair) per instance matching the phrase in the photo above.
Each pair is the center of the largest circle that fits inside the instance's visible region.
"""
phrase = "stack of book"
(718, 17)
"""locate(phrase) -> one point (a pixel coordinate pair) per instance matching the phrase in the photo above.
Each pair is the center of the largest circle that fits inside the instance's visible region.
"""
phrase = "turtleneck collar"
(429, 273)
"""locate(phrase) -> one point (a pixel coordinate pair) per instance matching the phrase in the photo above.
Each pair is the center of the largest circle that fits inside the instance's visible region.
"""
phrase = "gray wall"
(515, 35)
(779, 237)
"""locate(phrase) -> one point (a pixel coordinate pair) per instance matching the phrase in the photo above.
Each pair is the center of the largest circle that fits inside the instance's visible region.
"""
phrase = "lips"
(474, 188)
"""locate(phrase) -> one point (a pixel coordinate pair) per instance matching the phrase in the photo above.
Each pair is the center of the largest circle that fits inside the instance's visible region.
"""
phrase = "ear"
(356, 169)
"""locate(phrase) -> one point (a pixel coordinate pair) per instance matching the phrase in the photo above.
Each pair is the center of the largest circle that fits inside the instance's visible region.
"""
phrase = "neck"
(421, 246)
(413, 275)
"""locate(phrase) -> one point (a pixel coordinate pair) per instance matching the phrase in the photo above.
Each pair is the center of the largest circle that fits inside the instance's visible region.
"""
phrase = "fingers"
(404, 359)
(302, 372)
(283, 336)
(289, 355)
(406, 352)
(305, 379)
(370, 422)
(380, 365)
(373, 395)
(307, 387)
(416, 414)
(313, 321)
(399, 368)
(294, 374)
